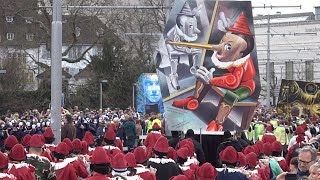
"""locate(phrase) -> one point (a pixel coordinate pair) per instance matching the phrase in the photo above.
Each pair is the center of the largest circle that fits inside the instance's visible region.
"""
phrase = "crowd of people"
(105, 144)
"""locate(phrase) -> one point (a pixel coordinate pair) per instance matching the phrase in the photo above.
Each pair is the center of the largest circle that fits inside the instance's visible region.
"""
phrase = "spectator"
(294, 165)
(68, 130)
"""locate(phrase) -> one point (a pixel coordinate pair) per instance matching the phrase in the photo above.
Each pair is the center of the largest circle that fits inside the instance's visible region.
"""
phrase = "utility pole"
(268, 63)
(56, 70)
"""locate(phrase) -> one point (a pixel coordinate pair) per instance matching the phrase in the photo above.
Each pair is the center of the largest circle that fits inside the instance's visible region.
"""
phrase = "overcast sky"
(307, 6)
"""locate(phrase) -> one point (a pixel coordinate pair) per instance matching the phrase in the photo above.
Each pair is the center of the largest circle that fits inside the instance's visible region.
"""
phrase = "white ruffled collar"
(136, 177)
(161, 160)
(226, 65)
(190, 161)
(5, 175)
(230, 170)
(59, 165)
(18, 166)
(110, 147)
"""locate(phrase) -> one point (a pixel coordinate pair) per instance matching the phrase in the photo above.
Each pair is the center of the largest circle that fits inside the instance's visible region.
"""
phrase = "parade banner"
(148, 95)
(207, 66)
(305, 95)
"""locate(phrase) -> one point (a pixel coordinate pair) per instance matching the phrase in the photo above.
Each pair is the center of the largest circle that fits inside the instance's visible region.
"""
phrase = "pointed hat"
(241, 25)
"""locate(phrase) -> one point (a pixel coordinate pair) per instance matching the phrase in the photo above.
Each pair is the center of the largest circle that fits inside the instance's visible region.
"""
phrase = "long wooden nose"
(212, 47)
(192, 45)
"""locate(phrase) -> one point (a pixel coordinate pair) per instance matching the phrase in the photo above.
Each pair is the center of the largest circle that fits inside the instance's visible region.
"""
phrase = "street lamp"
(133, 91)
(101, 82)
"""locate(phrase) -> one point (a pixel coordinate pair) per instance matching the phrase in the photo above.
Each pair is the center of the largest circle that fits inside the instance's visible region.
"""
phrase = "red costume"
(269, 137)
(22, 171)
(98, 176)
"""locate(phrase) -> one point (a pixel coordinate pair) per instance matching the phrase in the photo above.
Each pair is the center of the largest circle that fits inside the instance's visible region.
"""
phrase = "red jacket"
(238, 76)
(269, 137)
(98, 176)
(22, 171)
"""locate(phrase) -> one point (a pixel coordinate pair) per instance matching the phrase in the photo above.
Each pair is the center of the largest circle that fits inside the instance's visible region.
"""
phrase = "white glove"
(204, 75)
(223, 23)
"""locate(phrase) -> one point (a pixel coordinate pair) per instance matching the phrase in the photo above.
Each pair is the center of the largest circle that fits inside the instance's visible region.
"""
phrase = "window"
(29, 36)
(9, 19)
(77, 31)
(10, 36)
(29, 20)
(75, 52)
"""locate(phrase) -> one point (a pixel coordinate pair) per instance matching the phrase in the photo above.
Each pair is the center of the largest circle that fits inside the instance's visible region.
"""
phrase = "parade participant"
(182, 158)
(84, 148)
(152, 138)
(88, 137)
(99, 165)
(179, 177)
(44, 169)
(230, 159)
(4, 162)
(166, 168)
(301, 133)
(25, 140)
(268, 136)
(280, 133)
(254, 171)
(130, 131)
(301, 140)
(276, 154)
(119, 166)
(233, 53)
(206, 171)
(9, 143)
(242, 160)
(64, 170)
(109, 139)
(172, 153)
(141, 159)
(21, 170)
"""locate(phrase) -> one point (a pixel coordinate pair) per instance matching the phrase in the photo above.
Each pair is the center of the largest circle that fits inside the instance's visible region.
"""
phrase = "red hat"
(299, 130)
(183, 153)
(88, 137)
(162, 145)
(190, 147)
(18, 153)
(77, 145)
(62, 148)
(259, 145)
(267, 148)
(269, 128)
(207, 172)
(69, 144)
(36, 141)
(241, 25)
(248, 150)
(229, 155)
(110, 134)
(85, 147)
(242, 159)
(179, 177)
(10, 141)
(48, 133)
(304, 126)
(4, 160)
(131, 159)
(26, 139)
(276, 146)
(252, 159)
(140, 155)
(172, 153)
(113, 152)
(156, 126)
(99, 156)
(119, 162)
(182, 143)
